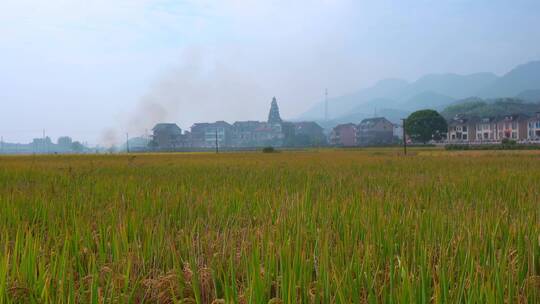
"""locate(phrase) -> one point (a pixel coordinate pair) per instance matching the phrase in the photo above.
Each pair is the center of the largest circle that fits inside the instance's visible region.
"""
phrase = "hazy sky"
(94, 69)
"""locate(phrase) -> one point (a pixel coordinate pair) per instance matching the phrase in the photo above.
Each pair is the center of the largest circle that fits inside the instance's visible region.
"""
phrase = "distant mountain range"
(396, 98)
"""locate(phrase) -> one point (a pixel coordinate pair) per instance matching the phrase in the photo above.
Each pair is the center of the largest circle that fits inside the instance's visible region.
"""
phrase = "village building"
(533, 126)
(516, 127)
(167, 136)
(268, 135)
(486, 129)
(219, 132)
(139, 144)
(64, 142)
(344, 135)
(197, 137)
(241, 134)
(207, 135)
(461, 129)
(258, 133)
(398, 131)
(41, 145)
(375, 131)
(310, 133)
(244, 133)
(512, 127)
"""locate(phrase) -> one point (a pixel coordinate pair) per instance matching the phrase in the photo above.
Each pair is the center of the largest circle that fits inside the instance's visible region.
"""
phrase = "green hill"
(495, 107)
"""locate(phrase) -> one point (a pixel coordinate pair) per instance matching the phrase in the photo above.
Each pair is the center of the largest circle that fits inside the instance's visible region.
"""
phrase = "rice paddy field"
(328, 226)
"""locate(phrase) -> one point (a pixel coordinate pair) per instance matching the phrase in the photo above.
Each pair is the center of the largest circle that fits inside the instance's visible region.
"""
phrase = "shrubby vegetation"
(269, 150)
(508, 145)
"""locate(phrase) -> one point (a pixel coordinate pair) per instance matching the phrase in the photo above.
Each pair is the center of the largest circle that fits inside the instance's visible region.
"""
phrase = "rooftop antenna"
(326, 105)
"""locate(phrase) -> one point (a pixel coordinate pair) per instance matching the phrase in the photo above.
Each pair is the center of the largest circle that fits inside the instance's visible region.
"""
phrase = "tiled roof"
(163, 127)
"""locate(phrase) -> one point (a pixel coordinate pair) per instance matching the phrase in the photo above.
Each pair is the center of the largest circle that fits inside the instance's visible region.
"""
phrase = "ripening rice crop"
(369, 226)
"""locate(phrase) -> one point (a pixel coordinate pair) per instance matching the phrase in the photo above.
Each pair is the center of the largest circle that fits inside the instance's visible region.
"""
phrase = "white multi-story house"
(533, 127)
(486, 129)
(461, 129)
(490, 129)
(512, 127)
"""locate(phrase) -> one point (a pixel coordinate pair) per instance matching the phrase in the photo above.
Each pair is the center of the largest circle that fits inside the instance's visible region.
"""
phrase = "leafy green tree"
(77, 147)
(425, 125)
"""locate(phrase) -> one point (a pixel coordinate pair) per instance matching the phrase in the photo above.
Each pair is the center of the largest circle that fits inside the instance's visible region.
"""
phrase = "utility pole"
(43, 142)
(127, 143)
(404, 137)
(326, 105)
(217, 146)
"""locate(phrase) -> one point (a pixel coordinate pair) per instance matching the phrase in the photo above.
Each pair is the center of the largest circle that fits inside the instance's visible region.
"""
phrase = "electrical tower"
(326, 105)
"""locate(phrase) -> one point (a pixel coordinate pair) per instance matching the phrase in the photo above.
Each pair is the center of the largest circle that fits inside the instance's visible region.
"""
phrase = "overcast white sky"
(94, 69)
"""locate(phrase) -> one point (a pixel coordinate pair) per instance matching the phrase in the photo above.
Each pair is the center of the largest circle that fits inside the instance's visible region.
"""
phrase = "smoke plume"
(199, 89)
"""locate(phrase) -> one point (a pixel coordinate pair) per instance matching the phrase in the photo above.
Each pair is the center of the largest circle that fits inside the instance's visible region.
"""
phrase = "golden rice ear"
(188, 292)
(188, 273)
(312, 291)
(242, 299)
(218, 301)
(188, 301)
(275, 301)
(206, 284)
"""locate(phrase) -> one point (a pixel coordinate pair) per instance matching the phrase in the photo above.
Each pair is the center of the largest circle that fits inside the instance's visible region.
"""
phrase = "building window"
(464, 136)
(514, 135)
(464, 129)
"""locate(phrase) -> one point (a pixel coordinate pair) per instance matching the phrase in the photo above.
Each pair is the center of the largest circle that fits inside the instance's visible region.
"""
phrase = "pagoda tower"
(273, 115)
